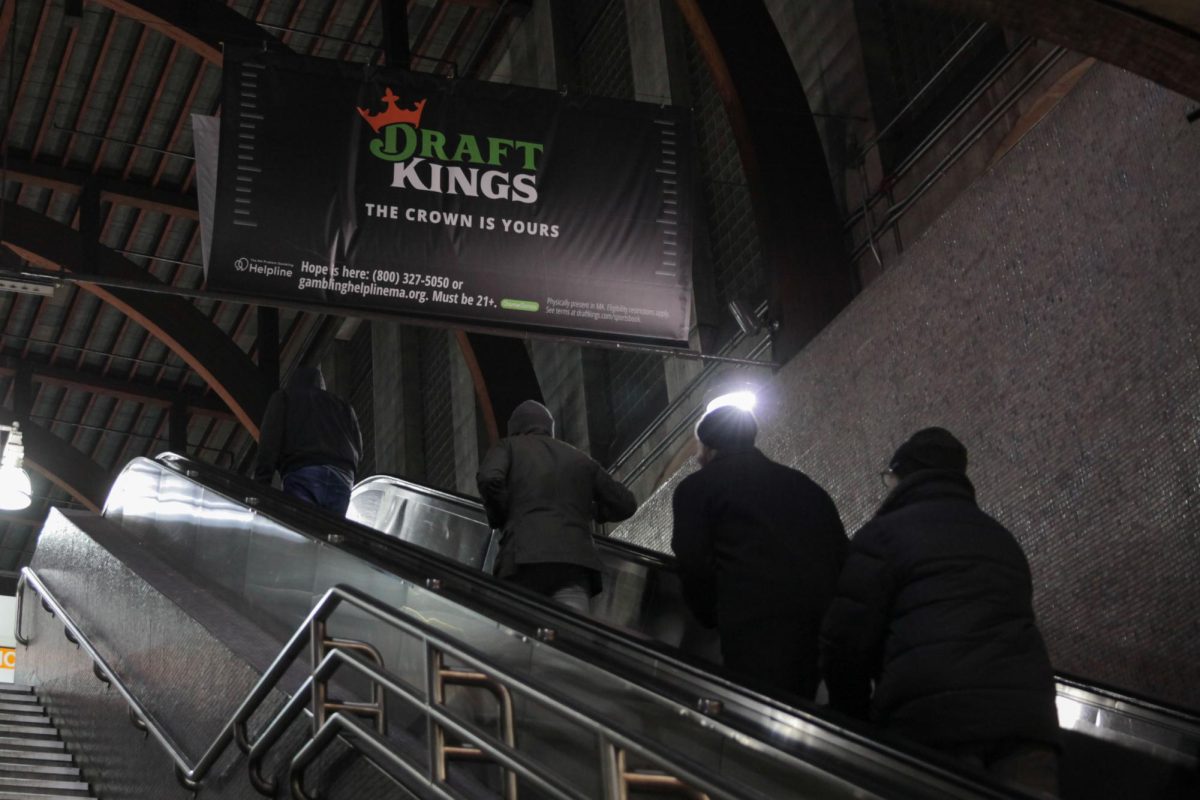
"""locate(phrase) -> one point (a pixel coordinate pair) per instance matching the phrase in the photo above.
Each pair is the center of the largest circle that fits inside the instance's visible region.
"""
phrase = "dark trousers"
(324, 487)
(566, 584)
(772, 656)
(1031, 766)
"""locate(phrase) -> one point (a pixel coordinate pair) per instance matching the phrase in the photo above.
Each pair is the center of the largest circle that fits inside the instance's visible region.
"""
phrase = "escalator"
(245, 565)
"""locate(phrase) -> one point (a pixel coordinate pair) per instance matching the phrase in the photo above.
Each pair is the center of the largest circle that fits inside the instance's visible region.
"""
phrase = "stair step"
(36, 755)
(20, 699)
(16, 711)
(43, 783)
(29, 720)
(40, 743)
(15, 688)
(32, 731)
(26, 795)
(7, 765)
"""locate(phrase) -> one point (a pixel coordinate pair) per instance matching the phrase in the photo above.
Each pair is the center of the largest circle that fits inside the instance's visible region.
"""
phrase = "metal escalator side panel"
(287, 565)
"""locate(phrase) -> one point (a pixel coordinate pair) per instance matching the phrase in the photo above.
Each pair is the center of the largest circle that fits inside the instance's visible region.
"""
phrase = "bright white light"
(745, 400)
(15, 490)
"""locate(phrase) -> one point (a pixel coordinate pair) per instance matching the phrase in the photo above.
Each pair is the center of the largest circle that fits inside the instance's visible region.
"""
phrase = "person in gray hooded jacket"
(543, 494)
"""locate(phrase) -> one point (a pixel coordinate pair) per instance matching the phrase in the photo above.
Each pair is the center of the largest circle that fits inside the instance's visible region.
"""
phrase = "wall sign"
(496, 205)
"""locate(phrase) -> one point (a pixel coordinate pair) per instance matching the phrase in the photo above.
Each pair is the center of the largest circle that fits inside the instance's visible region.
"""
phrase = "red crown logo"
(393, 115)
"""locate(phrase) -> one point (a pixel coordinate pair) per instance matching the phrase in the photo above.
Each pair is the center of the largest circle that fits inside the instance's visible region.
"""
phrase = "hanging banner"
(493, 205)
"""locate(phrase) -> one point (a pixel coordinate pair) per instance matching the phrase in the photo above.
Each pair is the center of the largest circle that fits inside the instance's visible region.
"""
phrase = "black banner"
(496, 205)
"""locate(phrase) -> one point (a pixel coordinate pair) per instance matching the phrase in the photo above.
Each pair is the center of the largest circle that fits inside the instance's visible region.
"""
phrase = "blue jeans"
(324, 487)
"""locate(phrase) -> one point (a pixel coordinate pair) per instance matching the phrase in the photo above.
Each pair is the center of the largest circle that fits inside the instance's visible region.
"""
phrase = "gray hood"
(307, 378)
(531, 417)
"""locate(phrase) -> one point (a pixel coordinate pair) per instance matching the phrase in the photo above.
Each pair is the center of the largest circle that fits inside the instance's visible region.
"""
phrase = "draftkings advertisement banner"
(493, 205)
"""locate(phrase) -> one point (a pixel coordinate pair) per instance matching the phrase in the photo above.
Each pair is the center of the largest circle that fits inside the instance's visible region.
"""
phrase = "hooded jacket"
(544, 494)
(935, 604)
(305, 425)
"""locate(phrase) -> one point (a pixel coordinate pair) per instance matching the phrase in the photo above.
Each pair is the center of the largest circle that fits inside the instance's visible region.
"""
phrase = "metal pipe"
(947, 122)
(929, 84)
(976, 133)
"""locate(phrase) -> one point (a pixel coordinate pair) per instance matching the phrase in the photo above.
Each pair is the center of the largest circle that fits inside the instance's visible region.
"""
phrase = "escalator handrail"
(1161, 711)
(190, 775)
(629, 551)
(618, 649)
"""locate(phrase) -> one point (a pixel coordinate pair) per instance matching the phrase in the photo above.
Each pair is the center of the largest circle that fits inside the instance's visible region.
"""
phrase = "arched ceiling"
(99, 105)
(1159, 39)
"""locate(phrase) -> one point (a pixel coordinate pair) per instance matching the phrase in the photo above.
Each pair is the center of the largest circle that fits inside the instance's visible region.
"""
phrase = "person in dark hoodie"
(935, 607)
(759, 546)
(543, 495)
(312, 438)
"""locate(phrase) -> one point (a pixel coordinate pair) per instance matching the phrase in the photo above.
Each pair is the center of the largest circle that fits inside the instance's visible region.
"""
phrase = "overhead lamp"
(27, 283)
(16, 492)
(744, 399)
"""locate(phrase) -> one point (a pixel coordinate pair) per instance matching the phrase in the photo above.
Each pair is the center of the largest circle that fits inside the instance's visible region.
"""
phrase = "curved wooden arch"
(1157, 39)
(795, 209)
(199, 25)
(172, 320)
(63, 465)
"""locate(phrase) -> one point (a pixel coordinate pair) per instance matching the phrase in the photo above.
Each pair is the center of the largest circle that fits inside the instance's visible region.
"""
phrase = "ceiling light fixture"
(16, 492)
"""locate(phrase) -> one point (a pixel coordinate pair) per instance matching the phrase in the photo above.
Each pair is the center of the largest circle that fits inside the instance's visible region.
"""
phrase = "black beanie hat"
(929, 448)
(727, 428)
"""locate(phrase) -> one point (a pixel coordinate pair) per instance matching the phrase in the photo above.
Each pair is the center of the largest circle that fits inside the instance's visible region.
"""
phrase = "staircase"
(34, 762)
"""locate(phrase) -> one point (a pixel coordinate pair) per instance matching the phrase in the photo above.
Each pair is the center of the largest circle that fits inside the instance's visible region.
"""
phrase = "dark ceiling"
(98, 98)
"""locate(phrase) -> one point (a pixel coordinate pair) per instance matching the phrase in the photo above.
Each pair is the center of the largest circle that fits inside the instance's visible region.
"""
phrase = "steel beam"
(1157, 39)
(144, 392)
(62, 465)
(174, 321)
(199, 25)
(125, 193)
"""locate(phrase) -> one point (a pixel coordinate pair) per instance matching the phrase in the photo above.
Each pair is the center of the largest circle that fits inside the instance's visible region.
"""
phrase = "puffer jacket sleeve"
(855, 625)
(613, 502)
(492, 480)
(692, 543)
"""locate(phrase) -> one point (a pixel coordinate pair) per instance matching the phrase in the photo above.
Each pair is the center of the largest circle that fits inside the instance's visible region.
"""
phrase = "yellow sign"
(8, 658)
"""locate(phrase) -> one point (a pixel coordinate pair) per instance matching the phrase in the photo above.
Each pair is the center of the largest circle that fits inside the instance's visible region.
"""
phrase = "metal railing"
(428, 779)
(896, 210)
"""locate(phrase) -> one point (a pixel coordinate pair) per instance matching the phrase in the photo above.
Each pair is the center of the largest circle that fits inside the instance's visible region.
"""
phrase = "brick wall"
(1049, 318)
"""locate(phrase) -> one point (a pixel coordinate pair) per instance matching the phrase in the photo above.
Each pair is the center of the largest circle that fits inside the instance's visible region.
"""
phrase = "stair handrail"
(614, 743)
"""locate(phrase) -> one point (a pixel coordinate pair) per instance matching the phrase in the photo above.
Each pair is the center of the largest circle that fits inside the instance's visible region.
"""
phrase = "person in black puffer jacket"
(935, 606)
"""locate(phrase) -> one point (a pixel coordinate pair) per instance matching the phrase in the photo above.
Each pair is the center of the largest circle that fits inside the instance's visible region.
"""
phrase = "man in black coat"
(935, 605)
(759, 548)
(312, 437)
(543, 494)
